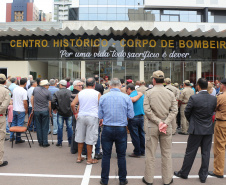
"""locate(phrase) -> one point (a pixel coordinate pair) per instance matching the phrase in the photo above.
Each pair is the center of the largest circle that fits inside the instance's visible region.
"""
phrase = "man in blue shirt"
(13, 84)
(136, 125)
(114, 109)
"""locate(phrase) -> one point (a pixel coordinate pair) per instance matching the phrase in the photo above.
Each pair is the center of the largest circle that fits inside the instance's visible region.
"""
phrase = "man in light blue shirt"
(114, 109)
(13, 84)
(136, 125)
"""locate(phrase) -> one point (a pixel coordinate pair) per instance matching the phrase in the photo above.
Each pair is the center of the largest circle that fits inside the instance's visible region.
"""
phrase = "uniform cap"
(168, 80)
(142, 82)
(223, 81)
(44, 82)
(2, 77)
(63, 82)
(176, 84)
(129, 81)
(158, 74)
(187, 82)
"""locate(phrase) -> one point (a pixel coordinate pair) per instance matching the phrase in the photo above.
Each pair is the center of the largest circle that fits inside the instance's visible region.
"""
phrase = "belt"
(138, 116)
(184, 103)
(113, 126)
(1, 114)
(220, 120)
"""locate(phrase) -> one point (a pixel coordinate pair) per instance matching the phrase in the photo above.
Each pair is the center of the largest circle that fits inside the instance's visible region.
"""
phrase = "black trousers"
(74, 145)
(194, 142)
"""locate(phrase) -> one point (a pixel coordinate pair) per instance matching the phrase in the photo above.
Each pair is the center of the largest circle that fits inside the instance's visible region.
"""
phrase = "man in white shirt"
(30, 78)
(29, 94)
(87, 120)
(20, 108)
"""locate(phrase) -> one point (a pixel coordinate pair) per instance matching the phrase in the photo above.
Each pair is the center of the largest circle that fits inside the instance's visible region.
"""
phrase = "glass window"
(174, 18)
(198, 18)
(92, 2)
(111, 17)
(102, 10)
(166, 12)
(83, 10)
(84, 17)
(102, 17)
(93, 10)
(157, 17)
(112, 2)
(174, 12)
(183, 18)
(183, 12)
(121, 2)
(220, 71)
(102, 2)
(192, 13)
(155, 11)
(121, 10)
(130, 2)
(192, 18)
(84, 2)
(165, 18)
(211, 19)
(121, 17)
(111, 10)
(92, 16)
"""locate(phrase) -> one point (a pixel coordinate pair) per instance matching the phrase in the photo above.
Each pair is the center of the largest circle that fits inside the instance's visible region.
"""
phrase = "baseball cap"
(2, 77)
(168, 80)
(63, 82)
(158, 74)
(176, 84)
(187, 82)
(129, 81)
(106, 77)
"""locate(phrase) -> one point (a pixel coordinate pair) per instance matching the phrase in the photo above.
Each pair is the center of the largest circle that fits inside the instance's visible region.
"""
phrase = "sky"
(45, 5)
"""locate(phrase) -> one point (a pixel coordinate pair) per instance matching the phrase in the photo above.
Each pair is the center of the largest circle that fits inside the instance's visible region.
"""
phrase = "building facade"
(21, 10)
(61, 10)
(124, 39)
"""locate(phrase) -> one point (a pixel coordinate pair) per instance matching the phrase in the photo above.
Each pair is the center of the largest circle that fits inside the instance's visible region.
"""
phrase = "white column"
(83, 69)
(141, 70)
(198, 70)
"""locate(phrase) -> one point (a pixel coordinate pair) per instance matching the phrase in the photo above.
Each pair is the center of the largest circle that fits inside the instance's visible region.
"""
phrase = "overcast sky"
(45, 5)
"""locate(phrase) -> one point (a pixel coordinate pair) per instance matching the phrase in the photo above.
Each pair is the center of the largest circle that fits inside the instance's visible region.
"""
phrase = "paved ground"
(56, 166)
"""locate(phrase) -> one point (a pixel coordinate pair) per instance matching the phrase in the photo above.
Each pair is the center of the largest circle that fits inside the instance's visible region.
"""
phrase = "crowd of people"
(100, 114)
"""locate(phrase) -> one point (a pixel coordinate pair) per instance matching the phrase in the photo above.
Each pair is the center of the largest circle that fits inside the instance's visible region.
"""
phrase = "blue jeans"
(60, 122)
(42, 126)
(97, 146)
(18, 120)
(7, 125)
(32, 122)
(108, 137)
(136, 129)
(55, 126)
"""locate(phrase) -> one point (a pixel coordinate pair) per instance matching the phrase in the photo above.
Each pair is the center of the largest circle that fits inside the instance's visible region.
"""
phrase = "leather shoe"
(46, 145)
(170, 182)
(123, 183)
(202, 181)
(214, 175)
(145, 182)
(178, 174)
(133, 155)
(102, 182)
(5, 163)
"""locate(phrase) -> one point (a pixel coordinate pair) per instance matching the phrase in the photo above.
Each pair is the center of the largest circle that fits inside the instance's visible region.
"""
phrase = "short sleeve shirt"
(41, 98)
(19, 95)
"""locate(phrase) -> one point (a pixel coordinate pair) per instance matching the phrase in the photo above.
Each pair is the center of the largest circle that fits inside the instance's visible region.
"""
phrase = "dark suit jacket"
(199, 112)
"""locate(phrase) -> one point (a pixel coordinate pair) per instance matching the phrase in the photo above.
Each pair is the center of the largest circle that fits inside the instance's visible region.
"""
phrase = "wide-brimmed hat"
(44, 82)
